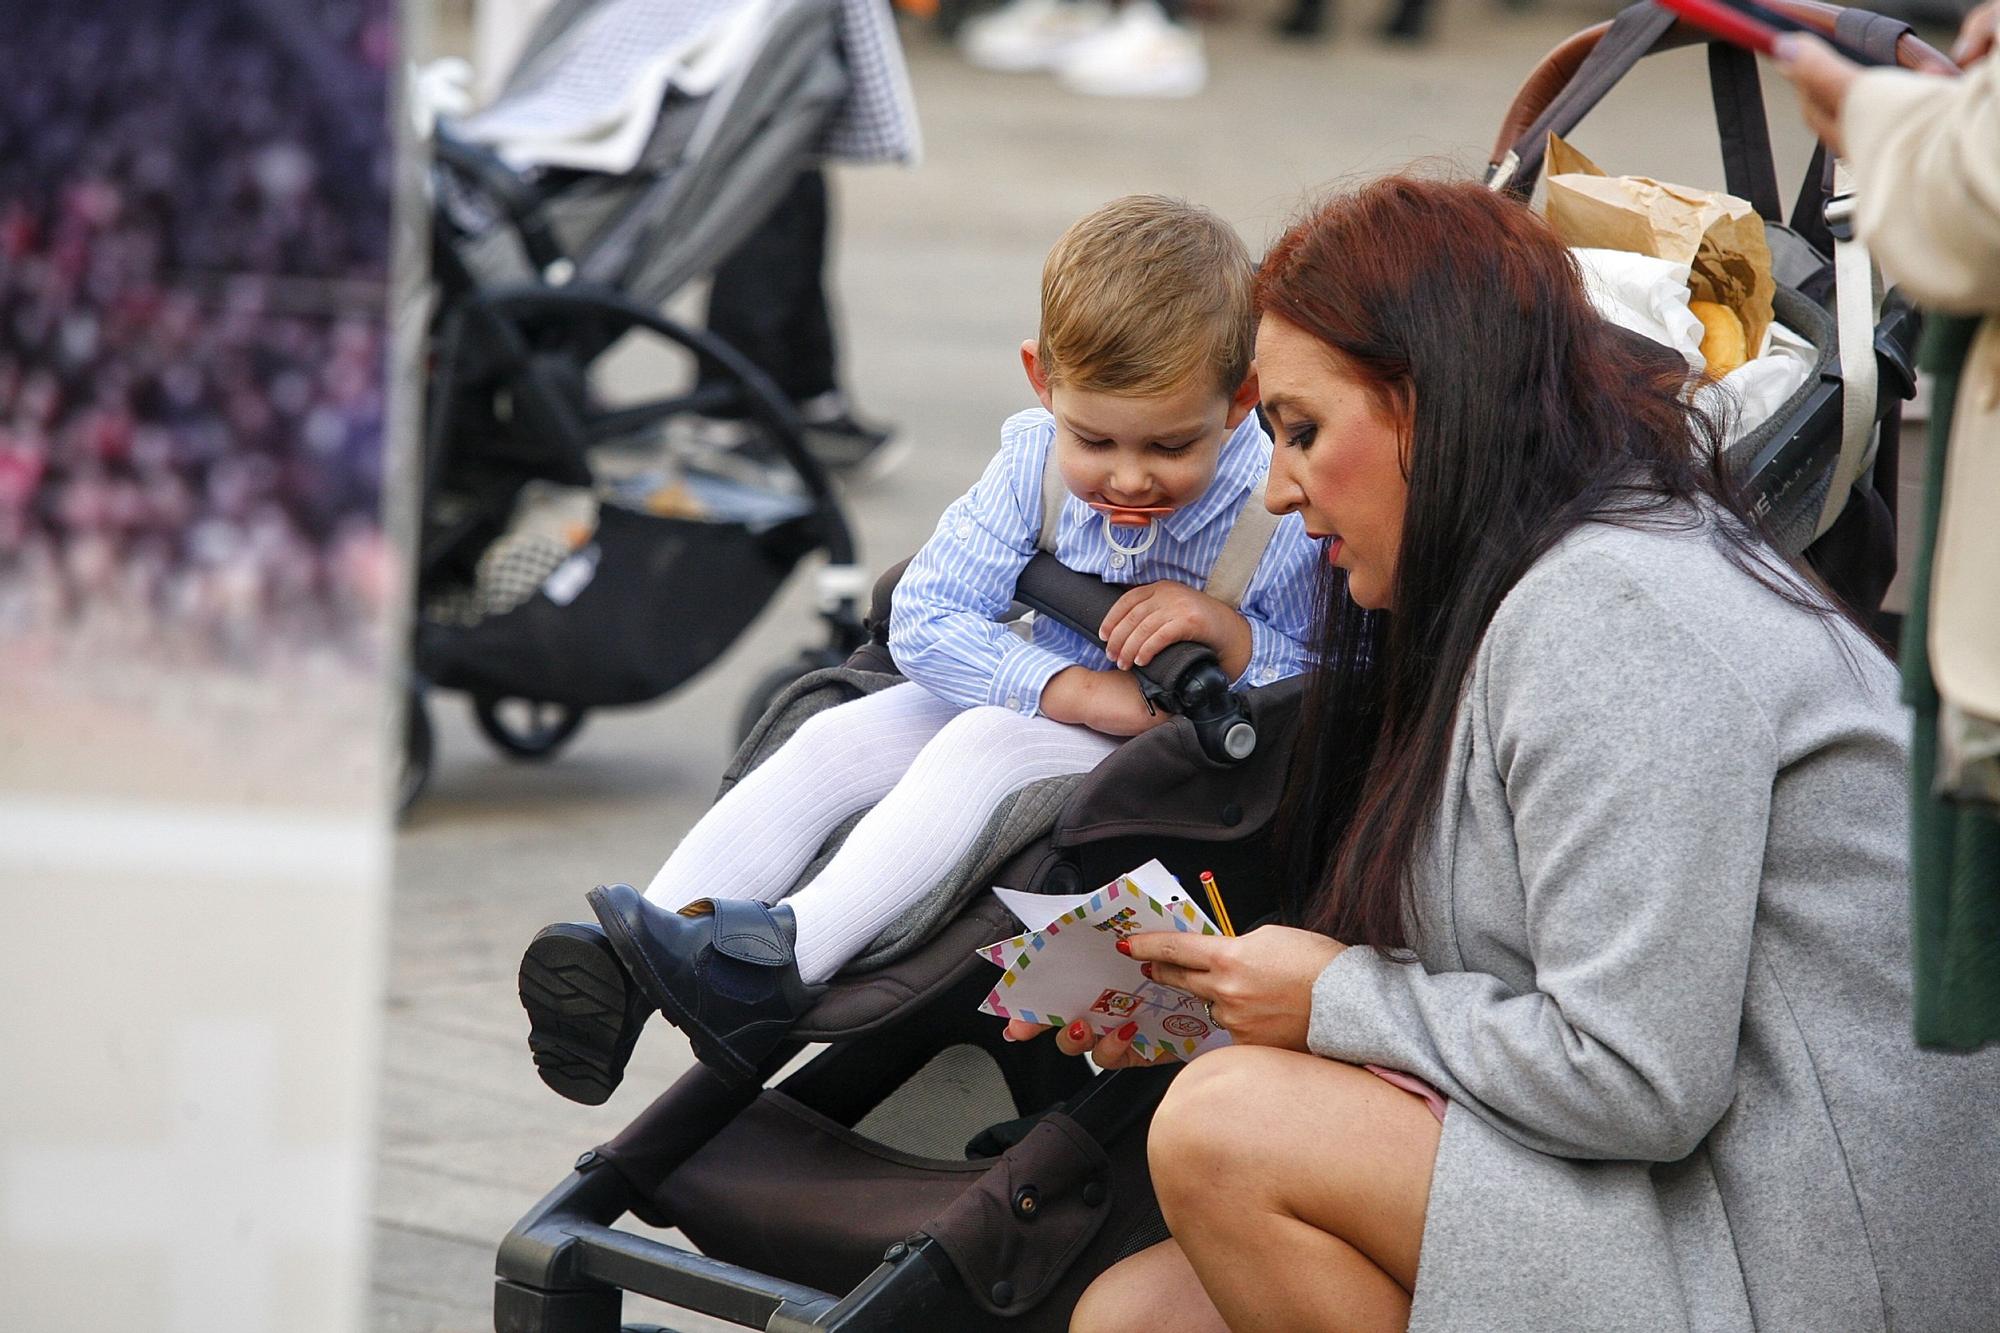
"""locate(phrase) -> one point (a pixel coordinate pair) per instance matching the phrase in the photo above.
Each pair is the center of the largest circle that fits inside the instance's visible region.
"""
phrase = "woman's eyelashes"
(1301, 435)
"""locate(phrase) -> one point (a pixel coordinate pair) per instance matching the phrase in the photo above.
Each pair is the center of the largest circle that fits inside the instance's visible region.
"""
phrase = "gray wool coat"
(1663, 977)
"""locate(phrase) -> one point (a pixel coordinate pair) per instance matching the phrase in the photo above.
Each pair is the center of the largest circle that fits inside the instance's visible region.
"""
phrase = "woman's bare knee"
(1152, 1291)
(1207, 1121)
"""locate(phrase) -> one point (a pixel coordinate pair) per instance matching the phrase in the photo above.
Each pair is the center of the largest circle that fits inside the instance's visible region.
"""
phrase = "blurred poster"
(195, 640)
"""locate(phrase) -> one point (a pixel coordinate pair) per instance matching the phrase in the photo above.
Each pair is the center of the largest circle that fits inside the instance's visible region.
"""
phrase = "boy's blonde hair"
(1144, 294)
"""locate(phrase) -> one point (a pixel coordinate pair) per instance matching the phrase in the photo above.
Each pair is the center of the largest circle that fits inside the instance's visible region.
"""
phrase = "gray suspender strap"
(1243, 549)
(1053, 495)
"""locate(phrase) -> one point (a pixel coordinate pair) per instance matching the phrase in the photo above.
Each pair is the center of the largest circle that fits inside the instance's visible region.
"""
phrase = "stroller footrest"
(691, 1281)
(524, 1309)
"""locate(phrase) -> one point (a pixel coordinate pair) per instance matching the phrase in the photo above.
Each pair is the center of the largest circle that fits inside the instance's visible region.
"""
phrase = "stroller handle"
(1184, 678)
(1551, 78)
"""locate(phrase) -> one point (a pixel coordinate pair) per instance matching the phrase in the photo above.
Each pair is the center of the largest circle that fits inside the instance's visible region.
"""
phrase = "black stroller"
(919, 1173)
(646, 577)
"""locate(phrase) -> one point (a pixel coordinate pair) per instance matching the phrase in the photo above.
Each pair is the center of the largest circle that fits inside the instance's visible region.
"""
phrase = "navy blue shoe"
(584, 1015)
(721, 970)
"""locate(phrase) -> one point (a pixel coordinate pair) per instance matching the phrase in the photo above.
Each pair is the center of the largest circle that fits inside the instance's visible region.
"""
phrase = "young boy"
(1143, 370)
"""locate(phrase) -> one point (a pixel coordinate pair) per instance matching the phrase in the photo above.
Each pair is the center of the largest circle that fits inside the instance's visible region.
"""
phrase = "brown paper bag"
(1718, 235)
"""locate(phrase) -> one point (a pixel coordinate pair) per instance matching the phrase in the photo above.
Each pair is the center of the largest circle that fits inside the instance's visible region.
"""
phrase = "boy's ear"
(1031, 361)
(1244, 400)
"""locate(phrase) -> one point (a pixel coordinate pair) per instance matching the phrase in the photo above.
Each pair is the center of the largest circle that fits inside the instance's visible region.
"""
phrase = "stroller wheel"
(418, 747)
(526, 728)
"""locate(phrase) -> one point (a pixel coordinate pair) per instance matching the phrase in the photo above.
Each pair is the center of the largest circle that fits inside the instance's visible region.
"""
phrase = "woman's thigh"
(1324, 1142)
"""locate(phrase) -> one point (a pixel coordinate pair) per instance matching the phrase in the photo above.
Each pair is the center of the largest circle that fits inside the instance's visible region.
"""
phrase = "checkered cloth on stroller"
(595, 78)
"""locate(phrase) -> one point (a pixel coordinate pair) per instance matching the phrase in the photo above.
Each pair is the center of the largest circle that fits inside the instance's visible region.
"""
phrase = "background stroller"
(644, 568)
(841, 1198)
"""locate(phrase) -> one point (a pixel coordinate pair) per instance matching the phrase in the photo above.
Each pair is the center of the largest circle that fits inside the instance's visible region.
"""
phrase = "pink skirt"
(1410, 1083)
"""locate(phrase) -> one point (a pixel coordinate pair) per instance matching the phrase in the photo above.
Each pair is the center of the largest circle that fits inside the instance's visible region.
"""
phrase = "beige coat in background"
(1925, 155)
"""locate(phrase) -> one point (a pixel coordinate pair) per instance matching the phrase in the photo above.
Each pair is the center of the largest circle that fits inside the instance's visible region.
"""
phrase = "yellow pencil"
(1215, 902)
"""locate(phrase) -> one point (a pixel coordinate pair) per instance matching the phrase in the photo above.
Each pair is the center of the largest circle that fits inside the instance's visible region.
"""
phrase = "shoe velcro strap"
(745, 931)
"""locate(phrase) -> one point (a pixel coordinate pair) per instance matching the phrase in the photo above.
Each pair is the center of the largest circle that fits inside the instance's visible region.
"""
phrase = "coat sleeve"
(1638, 771)
(944, 626)
(1925, 154)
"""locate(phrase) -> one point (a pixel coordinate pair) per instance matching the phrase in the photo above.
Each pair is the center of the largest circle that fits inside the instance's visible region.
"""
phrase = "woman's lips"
(1332, 540)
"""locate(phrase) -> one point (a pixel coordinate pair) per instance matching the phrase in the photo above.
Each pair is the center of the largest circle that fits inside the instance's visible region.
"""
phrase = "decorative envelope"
(1070, 967)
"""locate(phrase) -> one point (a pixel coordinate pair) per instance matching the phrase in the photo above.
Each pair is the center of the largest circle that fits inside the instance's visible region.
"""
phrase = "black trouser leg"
(769, 297)
(1306, 18)
(1409, 20)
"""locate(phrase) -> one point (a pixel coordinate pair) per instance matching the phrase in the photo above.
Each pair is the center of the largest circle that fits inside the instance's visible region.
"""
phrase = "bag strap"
(1857, 296)
(1877, 36)
(1633, 34)
(1748, 169)
(1857, 306)
(1243, 550)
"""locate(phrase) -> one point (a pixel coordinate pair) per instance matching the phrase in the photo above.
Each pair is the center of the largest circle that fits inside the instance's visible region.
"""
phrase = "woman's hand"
(1106, 701)
(1822, 77)
(1154, 615)
(1111, 1051)
(1258, 986)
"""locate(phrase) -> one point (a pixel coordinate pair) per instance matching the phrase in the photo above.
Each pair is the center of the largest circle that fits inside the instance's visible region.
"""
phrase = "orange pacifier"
(1130, 516)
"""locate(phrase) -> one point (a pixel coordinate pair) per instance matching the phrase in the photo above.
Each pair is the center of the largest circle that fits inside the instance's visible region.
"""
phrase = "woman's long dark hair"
(1525, 416)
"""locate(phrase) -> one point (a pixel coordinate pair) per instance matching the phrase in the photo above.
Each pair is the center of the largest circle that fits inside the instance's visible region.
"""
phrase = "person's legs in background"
(1150, 50)
(1145, 49)
(769, 301)
(1407, 20)
(1031, 36)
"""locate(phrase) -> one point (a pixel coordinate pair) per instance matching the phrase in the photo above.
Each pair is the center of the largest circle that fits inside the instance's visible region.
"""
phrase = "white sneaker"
(1025, 36)
(1139, 55)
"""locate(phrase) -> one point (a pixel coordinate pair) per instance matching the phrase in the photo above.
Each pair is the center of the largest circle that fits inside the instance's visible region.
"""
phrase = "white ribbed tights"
(933, 772)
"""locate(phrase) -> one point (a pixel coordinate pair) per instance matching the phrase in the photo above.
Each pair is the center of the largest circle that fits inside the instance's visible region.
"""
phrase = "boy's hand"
(1153, 615)
(1106, 701)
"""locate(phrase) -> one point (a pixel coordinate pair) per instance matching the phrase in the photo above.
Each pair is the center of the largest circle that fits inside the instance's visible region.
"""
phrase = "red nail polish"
(1125, 947)
(1146, 971)
(1077, 1030)
(1129, 1031)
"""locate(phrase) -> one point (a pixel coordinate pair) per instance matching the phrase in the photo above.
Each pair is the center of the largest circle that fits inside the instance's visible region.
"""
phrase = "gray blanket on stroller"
(1021, 818)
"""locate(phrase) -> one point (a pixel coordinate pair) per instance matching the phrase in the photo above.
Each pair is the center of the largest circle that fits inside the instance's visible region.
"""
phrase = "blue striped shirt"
(944, 628)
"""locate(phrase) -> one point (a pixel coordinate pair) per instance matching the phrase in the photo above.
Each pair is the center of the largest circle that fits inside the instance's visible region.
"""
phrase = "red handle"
(1728, 24)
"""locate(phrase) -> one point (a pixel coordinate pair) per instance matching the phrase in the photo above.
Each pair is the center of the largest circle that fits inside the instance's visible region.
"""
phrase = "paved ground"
(937, 278)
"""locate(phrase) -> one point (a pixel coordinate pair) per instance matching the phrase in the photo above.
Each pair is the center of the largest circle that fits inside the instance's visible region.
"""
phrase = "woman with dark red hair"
(1596, 1012)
